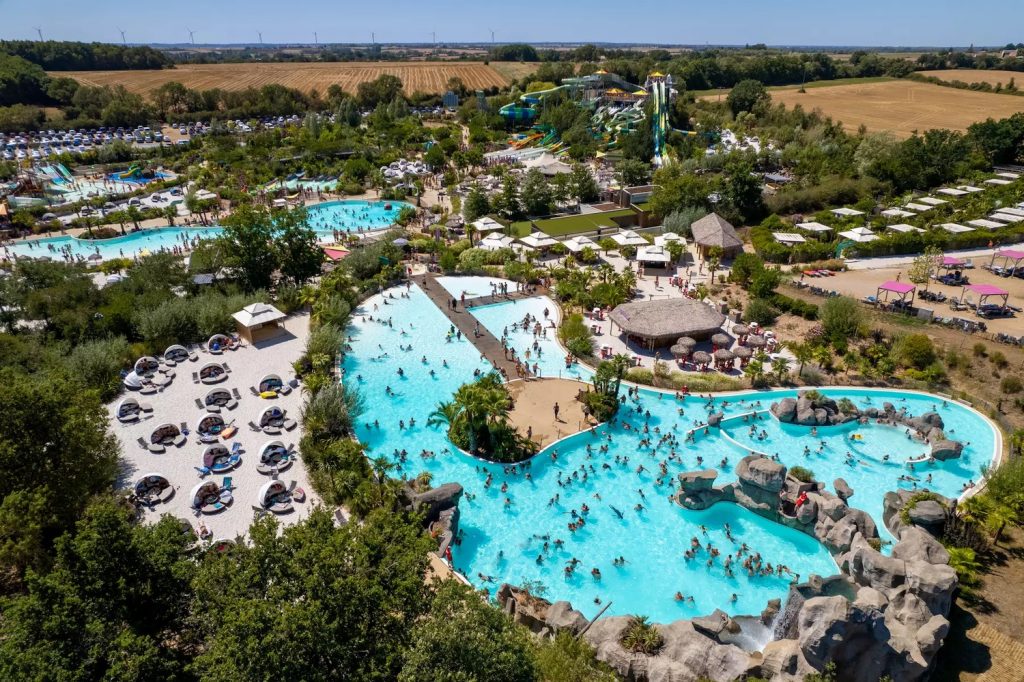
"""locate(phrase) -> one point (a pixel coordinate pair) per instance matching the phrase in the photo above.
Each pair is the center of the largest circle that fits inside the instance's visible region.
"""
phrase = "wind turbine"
(39, 30)
(492, 36)
(191, 35)
(122, 37)
(261, 38)
(316, 39)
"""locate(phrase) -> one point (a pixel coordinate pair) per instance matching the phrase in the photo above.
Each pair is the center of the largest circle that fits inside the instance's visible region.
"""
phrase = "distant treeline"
(54, 55)
(953, 59)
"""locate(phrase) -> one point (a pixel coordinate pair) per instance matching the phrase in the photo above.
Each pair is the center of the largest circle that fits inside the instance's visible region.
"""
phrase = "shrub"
(98, 364)
(795, 306)
(641, 637)
(979, 349)
(760, 311)
(802, 474)
(999, 360)
(914, 350)
(1011, 384)
(576, 336)
(841, 318)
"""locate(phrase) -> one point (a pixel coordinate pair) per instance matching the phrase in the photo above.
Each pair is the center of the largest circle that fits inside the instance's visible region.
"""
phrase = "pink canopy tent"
(1009, 256)
(985, 291)
(900, 293)
(951, 263)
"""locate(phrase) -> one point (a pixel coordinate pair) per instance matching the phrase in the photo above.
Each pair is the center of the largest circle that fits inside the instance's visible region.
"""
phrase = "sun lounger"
(129, 418)
(199, 404)
(193, 357)
(213, 408)
(285, 390)
(253, 390)
(227, 484)
(146, 407)
(226, 368)
(179, 440)
(272, 430)
(252, 425)
(142, 442)
(147, 390)
(170, 363)
(231, 404)
(156, 448)
(195, 377)
(203, 471)
(234, 392)
(289, 424)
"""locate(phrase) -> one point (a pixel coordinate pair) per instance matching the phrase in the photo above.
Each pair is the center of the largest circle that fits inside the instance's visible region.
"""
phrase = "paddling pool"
(502, 540)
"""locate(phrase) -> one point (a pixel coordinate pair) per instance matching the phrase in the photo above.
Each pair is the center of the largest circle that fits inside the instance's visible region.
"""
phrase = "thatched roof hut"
(743, 353)
(724, 355)
(756, 341)
(687, 341)
(721, 339)
(713, 230)
(660, 323)
(701, 358)
(680, 351)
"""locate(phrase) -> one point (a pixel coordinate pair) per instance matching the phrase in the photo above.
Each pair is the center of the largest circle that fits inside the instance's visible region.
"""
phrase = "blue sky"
(776, 22)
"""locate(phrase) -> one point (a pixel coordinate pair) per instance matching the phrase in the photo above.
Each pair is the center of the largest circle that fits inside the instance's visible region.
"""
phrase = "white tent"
(987, 224)
(495, 241)
(932, 201)
(788, 238)
(897, 213)
(628, 238)
(653, 254)
(859, 234)
(538, 240)
(920, 208)
(577, 244)
(664, 239)
(903, 227)
(257, 316)
(955, 228)
(814, 227)
(846, 212)
(486, 224)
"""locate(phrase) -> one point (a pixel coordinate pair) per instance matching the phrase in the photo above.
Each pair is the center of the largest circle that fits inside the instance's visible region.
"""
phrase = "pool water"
(502, 540)
(353, 216)
(127, 246)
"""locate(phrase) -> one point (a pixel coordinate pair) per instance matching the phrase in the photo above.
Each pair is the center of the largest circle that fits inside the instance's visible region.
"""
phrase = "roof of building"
(667, 319)
(714, 230)
(258, 313)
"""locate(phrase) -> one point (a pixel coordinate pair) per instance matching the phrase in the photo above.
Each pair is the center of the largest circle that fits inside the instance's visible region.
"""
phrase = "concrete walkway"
(486, 343)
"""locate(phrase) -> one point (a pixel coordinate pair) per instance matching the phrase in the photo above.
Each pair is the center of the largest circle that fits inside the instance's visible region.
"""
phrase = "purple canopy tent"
(1009, 256)
(985, 291)
(898, 292)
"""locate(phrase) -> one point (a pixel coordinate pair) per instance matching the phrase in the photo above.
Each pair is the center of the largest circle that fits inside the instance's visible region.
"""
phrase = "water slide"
(659, 93)
(132, 173)
(64, 172)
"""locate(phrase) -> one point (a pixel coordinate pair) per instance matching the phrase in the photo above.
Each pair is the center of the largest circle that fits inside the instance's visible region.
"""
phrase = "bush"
(999, 360)
(98, 364)
(1011, 384)
(760, 311)
(802, 474)
(576, 336)
(795, 306)
(979, 349)
(641, 637)
(841, 318)
(914, 350)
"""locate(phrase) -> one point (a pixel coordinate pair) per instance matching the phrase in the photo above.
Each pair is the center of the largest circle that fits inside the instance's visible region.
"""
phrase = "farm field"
(993, 77)
(430, 77)
(902, 106)
(515, 70)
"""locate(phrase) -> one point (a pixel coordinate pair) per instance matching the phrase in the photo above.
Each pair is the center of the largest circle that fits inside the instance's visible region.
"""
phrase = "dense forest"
(62, 55)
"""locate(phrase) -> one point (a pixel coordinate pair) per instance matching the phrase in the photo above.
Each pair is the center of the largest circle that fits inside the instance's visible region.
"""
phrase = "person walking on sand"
(557, 408)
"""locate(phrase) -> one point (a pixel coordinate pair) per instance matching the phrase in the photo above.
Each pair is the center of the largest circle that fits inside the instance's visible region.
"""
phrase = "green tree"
(248, 242)
(747, 95)
(476, 204)
(536, 194)
(841, 317)
(920, 271)
(298, 250)
(632, 172)
(507, 202)
(465, 638)
(583, 186)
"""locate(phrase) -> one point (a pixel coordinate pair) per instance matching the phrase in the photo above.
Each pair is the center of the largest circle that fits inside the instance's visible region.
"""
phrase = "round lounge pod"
(128, 409)
(272, 416)
(153, 487)
(275, 497)
(212, 372)
(656, 324)
(146, 365)
(218, 343)
(208, 498)
(270, 382)
(133, 381)
(218, 396)
(210, 425)
(215, 454)
(274, 455)
(164, 434)
(176, 353)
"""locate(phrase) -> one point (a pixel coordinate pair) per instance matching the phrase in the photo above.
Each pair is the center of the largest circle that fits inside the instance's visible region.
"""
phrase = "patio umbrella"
(743, 352)
(756, 341)
(401, 241)
(721, 339)
(724, 355)
(687, 341)
(95, 256)
(701, 358)
(740, 329)
(680, 351)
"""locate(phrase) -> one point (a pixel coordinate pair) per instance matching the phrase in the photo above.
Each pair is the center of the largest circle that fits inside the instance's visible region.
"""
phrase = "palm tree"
(307, 296)
(804, 353)
(170, 213)
(134, 214)
(755, 372)
(780, 367)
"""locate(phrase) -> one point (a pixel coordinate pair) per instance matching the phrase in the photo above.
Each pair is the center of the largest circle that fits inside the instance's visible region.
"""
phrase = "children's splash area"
(325, 219)
(589, 519)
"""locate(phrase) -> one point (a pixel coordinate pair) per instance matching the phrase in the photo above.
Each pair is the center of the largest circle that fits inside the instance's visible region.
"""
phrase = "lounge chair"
(272, 430)
(289, 424)
(156, 448)
(252, 425)
(169, 363)
(234, 392)
(147, 390)
(193, 357)
(129, 418)
(285, 389)
(213, 408)
(195, 377)
(179, 440)
(199, 404)
(226, 484)
(226, 368)
(236, 447)
(203, 471)
(231, 404)
(252, 389)
(142, 442)
(184, 428)
(146, 407)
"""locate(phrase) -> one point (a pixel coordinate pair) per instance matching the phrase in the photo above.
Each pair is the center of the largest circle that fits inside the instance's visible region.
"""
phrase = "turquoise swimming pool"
(354, 215)
(503, 539)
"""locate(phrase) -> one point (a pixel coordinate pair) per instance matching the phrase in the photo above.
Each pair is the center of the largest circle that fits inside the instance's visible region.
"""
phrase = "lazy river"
(612, 471)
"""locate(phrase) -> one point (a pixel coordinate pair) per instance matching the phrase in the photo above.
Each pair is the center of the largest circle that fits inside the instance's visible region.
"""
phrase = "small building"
(715, 231)
(450, 100)
(859, 234)
(660, 323)
(259, 321)
(789, 238)
(653, 256)
(630, 196)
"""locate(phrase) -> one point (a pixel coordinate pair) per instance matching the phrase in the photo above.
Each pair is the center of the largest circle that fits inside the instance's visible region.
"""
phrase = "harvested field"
(430, 77)
(902, 106)
(515, 70)
(993, 77)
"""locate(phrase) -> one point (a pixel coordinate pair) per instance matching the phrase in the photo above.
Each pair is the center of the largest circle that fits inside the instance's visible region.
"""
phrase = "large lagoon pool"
(505, 531)
(324, 219)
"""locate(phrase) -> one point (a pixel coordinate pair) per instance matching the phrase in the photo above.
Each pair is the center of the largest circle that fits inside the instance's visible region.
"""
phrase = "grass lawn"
(559, 227)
